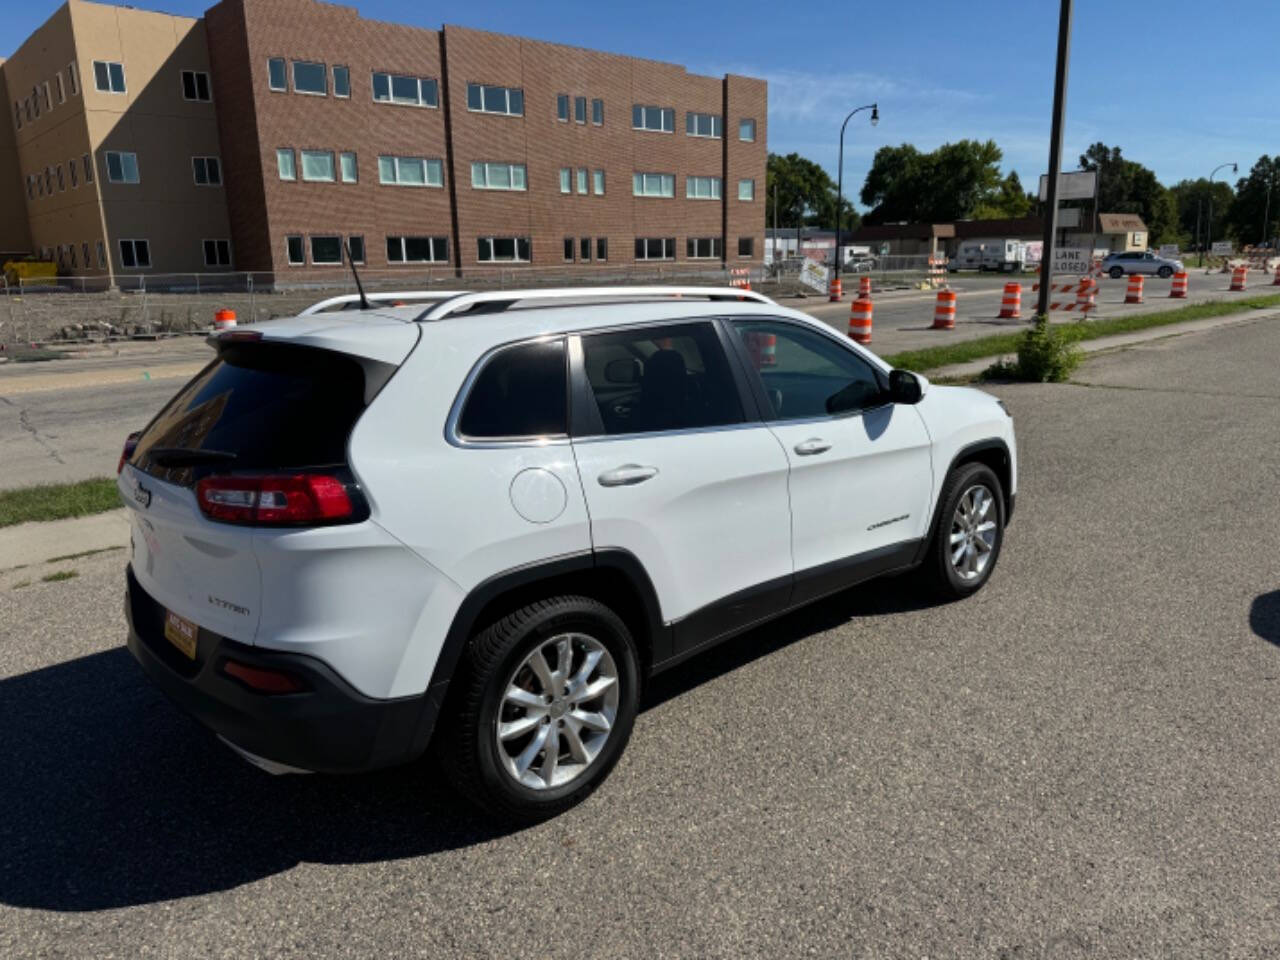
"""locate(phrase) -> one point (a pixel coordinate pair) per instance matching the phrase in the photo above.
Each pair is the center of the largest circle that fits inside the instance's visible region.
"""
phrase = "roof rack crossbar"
(501, 299)
(391, 295)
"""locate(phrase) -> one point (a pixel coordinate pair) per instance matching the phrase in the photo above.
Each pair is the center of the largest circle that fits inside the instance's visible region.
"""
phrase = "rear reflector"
(278, 500)
(263, 680)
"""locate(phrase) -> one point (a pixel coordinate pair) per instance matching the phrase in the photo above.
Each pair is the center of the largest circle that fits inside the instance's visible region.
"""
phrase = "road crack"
(1180, 393)
(30, 428)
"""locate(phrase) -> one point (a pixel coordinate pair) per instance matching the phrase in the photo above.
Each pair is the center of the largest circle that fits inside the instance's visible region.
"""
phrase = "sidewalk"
(29, 544)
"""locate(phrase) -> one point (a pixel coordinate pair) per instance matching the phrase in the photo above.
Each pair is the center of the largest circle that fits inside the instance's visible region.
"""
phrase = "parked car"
(1116, 265)
(486, 520)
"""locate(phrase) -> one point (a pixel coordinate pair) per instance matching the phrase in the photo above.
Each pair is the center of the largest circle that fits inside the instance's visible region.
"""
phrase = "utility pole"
(1055, 156)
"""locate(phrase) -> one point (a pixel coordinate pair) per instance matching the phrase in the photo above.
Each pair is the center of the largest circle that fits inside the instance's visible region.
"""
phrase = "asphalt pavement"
(1081, 761)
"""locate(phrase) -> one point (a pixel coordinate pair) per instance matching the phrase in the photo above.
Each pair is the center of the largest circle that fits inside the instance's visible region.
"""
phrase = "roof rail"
(401, 295)
(492, 301)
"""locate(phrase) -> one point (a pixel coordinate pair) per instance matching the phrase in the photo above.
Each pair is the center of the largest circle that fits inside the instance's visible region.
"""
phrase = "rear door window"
(670, 377)
(264, 406)
(522, 392)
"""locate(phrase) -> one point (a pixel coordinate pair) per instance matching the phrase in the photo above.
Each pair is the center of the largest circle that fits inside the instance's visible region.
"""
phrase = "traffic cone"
(1011, 302)
(864, 284)
(1134, 293)
(1179, 289)
(860, 313)
(944, 311)
(1239, 278)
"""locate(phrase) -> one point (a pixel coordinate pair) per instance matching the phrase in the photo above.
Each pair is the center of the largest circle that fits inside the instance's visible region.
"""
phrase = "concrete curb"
(1116, 342)
(29, 544)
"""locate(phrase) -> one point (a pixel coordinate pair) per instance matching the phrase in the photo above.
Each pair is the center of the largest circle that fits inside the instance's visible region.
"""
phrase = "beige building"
(117, 143)
(14, 237)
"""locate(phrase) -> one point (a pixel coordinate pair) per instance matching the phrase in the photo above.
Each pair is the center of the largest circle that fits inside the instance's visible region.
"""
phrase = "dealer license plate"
(181, 632)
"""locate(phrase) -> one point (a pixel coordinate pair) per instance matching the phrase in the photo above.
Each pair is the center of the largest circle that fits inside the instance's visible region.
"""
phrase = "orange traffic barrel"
(860, 320)
(224, 320)
(1134, 293)
(864, 284)
(1087, 295)
(944, 312)
(1179, 289)
(836, 289)
(1011, 302)
(1239, 278)
(1276, 281)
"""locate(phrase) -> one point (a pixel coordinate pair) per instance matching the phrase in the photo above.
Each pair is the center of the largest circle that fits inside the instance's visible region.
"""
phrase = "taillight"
(287, 500)
(261, 679)
(130, 445)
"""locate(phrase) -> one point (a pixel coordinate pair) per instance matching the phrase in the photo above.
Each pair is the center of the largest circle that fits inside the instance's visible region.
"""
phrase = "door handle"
(627, 475)
(814, 445)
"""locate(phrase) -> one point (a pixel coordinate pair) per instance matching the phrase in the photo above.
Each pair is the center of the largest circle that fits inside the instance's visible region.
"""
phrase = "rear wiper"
(186, 456)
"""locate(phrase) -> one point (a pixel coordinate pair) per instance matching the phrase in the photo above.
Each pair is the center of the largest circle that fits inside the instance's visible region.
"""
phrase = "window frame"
(333, 79)
(745, 182)
(570, 250)
(390, 100)
(293, 164)
(351, 253)
(195, 86)
(528, 240)
(404, 249)
(663, 259)
(715, 186)
(293, 77)
(426, 168)
(134, 241)
(73, 75)
(754, 129)
(760, 394)
(597, 110)
(123, 179)
(692, 119)
(566, 180)
(691, 244)
(453, 433)
(602, 249)
(208, 181)
(215, 241)
(644, 192)
(288, 252)
(580, 110)
(597, 183)
(311, 249)
(562, 108)
(511, 168)
(663, 114)
(110, 87)
(302, 166)
(507, 91)
(342, 169)
(284, 67)
(750, 254)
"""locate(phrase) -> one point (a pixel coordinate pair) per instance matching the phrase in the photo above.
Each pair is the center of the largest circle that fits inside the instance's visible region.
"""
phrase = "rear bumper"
(328, 727)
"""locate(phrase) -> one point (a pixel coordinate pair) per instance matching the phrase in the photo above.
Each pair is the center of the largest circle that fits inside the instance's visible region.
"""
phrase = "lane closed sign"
(1072, 260)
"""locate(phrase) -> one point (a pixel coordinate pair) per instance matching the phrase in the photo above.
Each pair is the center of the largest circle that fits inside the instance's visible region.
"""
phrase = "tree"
(806, 193)
(1010, 202)
(1245, 218)
(1191, 202)
(951, 183)
(1125, 186)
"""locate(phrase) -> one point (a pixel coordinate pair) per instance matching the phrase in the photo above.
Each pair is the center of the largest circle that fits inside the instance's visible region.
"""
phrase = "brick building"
(454, 150)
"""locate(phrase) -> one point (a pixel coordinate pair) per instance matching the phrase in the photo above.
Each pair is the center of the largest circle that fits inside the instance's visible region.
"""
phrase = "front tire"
(1164, 273)
(547, 699)
(968, 532)
(1116, 272)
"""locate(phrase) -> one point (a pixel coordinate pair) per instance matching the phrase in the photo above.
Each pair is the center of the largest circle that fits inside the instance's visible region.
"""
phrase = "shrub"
(1046, 354)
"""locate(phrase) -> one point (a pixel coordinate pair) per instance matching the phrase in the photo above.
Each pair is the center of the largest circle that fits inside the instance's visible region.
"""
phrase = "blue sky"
(1181, 88)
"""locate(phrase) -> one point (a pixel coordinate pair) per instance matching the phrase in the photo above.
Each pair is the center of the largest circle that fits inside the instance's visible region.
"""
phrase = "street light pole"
(875, 118)
(1208, 228)
(1055, 157)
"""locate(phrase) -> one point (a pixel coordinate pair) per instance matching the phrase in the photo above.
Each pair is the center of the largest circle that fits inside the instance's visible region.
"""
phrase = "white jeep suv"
(493, 516)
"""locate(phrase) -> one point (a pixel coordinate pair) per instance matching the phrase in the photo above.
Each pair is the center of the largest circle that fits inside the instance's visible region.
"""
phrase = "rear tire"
(968, 533)
(1164, 273)
(560, 674)
(1116, 272)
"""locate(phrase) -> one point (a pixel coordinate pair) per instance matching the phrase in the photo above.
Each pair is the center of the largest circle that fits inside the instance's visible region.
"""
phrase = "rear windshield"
(271, 406)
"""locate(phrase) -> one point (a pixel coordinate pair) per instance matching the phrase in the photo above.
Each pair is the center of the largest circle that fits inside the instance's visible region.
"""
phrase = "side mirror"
(622, 370)
(905, 387)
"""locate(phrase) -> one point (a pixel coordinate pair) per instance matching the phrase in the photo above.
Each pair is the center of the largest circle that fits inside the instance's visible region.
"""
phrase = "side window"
(661, 378)
(522, 391)
(806, 374)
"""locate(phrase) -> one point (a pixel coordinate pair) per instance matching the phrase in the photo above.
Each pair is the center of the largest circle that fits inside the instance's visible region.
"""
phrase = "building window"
(498, 176)
(310, 78)
(347, 165)
(504, 249)
(602, 248)
(108, 76)
(568, 249)
(747, 130)
(597, 112)
(597, 182)
(660, 119)
(317, 166)
(135, 254)
(207, 171)
(62, 98)
(341, 82)
(582, 180)
(31, 187)
(217, 253)
(88, 168)
(411, 171)
(17, 114)
(703, 248)
(746, 189)
(326, 250)
(73, 78)
(71, 252)
(276, 75)
(417, 249)
(286, 164)
(584, 249)
(195, 85)
(562, 107)
(702, 125)
(405, 90)
(746, 246)
(62, 184)
(295, 250)
(702, 188)
(579, 109)
(122, 167)
(48, 180)
(566, 179)
(655, 248)
(84, 254)
(485, 99)
(355, 249)
(101, 249)
(653, 185)
(48, 97)
(73, 170)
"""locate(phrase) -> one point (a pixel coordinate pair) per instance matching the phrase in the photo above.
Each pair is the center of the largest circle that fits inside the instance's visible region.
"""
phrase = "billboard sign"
(1077, 185)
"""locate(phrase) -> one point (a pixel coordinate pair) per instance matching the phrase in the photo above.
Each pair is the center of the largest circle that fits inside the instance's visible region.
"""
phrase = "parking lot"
(1079, 762)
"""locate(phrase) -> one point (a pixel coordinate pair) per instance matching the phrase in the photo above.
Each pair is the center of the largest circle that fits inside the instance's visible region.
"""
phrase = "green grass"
(22, 583)
(54, 501)
(59, 576)
(1000, 344)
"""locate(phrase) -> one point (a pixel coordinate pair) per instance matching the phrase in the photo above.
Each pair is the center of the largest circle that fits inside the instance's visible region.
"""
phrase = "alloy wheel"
(973, 533)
